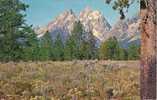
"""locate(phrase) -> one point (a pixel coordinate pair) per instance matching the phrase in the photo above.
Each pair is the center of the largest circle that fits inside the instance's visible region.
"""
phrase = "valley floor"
(71, 80)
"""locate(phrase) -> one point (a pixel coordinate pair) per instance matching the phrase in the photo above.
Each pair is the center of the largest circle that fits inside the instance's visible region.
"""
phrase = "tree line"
(80, 45)
(18, 41)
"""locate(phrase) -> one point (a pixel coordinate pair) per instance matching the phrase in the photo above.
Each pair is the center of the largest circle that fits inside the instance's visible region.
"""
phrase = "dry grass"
(76, 80)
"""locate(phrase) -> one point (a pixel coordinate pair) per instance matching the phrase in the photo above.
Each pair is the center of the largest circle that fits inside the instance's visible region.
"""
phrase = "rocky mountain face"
(94, 21)
(63, 25)
(126, 31)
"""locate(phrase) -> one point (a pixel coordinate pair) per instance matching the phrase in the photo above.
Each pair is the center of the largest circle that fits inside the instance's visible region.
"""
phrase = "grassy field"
(75, 80)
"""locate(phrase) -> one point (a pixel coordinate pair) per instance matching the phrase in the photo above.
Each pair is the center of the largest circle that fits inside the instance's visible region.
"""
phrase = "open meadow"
(71, 80)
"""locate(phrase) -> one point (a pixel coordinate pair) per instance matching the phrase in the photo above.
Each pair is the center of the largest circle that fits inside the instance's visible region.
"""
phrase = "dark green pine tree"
(49, 45)
(123, 55)
(133, 52)
(78, 28)
(45, 50)
(30, 45)
(109, 49)
(58, 48)
(85, 42)
(103, 51)
(70, 50)
(85, 50)
(11, 29)
(77, 34)
(88, 47)
(115, 48)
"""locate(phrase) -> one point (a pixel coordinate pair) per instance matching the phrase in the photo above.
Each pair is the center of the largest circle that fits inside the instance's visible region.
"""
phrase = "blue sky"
(40, 12)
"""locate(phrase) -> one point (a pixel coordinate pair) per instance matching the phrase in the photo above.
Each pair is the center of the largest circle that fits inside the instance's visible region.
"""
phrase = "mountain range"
(126, 31)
